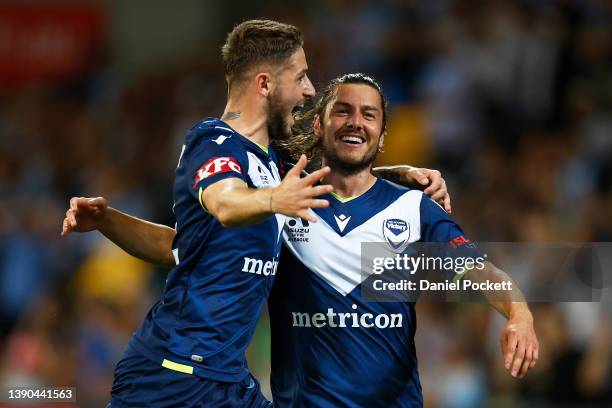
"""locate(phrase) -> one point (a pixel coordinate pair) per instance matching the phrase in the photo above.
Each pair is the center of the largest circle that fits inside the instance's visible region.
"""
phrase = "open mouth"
(297, 112)
(296, 118)
(353, 139)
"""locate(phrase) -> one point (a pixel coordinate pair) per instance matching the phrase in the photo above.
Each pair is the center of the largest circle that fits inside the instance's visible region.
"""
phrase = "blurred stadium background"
(512, 100)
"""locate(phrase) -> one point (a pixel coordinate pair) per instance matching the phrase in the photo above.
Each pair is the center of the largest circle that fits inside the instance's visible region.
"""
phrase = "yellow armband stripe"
(181, 368)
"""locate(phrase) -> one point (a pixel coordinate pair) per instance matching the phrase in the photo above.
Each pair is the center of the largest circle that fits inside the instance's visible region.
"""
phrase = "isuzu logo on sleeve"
(396, 232)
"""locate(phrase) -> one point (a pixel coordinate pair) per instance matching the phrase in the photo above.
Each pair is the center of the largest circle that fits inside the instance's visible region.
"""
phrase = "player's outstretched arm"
(430, 181)
(145, 240)
(519, 343)
(235, 205)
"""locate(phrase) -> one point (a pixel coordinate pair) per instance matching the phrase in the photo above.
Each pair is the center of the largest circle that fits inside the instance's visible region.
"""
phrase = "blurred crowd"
(511, 100)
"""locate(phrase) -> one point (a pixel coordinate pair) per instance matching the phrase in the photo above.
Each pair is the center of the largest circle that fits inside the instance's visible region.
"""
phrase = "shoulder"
(393, 190)
(430, 206)
(412, 200)
(426, 203)
(432, 213)
(214, 134)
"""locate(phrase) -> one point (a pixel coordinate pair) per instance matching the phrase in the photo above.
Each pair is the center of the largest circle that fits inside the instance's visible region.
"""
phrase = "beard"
(278, 128)
(348, 167)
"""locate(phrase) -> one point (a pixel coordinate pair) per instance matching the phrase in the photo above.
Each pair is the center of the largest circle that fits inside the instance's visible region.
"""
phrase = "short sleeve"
(438, 226)
(214, 160)
(443, 236)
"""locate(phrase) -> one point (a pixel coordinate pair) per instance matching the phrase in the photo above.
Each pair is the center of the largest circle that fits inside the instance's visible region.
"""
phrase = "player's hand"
(295, 195)
(519, 345)
(434, 184)
(84, 214)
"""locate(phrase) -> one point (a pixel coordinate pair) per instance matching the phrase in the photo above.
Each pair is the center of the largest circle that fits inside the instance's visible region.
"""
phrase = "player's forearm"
(240, 207)
(509, 303)
(145, 240)
(391, 173)
(512, 310)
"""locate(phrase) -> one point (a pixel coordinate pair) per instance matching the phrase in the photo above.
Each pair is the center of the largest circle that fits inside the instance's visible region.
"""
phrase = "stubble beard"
(345, 167)
(278, 128)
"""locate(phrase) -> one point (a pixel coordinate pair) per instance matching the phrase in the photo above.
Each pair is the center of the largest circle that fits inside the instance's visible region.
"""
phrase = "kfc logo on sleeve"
(216, 165)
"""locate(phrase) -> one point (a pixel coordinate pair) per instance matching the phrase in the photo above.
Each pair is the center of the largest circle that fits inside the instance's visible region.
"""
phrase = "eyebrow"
(364, 107)
(302, 72)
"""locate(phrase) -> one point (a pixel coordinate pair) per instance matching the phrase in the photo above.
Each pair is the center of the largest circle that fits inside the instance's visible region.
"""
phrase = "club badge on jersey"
(397, 233)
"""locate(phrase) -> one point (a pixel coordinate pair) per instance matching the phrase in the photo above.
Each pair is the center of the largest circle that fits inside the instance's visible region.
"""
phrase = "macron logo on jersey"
(342, 220)
(221, 139)
(216, 165)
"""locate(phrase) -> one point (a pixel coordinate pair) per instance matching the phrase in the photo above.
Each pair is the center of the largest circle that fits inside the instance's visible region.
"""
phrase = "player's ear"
(381, 141)
(263, 83)
(316, 125)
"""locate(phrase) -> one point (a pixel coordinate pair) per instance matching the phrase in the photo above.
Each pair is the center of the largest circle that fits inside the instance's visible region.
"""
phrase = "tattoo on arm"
(231, 115)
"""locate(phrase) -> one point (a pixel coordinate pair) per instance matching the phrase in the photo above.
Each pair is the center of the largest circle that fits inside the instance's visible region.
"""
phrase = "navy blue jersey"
(330, 347)
(213, 297)
(140, 382)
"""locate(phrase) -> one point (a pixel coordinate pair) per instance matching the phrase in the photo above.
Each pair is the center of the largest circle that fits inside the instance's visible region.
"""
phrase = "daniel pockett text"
(429, 272)
(461, 270)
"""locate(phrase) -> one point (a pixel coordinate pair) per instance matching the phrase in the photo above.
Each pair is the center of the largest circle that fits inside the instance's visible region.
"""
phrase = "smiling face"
(351, 128)
(292, 90)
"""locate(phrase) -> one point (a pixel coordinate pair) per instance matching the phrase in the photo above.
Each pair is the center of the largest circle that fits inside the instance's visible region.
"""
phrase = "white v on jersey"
(330, 347)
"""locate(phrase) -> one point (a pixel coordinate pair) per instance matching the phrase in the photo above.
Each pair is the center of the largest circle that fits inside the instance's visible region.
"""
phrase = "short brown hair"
(255, 41)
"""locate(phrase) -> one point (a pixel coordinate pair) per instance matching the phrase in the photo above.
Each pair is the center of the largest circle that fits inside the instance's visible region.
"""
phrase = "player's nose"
(309, 90)
(355, 120)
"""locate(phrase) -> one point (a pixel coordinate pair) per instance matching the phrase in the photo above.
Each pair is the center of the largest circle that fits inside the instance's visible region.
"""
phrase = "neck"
(248, 117)
(350, 185)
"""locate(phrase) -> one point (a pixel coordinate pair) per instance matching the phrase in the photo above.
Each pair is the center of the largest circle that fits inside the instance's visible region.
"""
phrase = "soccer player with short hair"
(190, 349)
